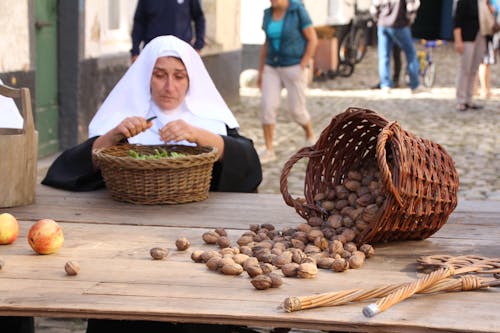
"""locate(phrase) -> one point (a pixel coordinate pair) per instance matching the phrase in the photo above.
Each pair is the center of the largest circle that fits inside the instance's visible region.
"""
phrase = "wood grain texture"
(118, 279)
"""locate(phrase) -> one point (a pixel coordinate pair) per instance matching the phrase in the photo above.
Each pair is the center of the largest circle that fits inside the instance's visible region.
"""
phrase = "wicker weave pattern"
(162, 181)
(421, 182)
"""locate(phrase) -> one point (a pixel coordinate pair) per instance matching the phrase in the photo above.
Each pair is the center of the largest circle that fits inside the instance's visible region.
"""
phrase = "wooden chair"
(19, 154)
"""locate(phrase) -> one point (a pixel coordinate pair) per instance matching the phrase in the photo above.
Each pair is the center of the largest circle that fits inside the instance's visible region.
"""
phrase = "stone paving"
(472, 138)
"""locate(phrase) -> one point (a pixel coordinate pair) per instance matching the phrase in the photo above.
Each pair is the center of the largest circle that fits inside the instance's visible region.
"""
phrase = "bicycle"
(354, 43)
(427, 66)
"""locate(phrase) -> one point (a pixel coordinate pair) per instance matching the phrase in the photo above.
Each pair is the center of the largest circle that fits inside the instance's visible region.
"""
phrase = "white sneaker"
(419, 90)
(386, 90)
(266, 156)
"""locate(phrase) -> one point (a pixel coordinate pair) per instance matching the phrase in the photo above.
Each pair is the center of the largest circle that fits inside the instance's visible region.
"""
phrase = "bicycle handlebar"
(432, 43)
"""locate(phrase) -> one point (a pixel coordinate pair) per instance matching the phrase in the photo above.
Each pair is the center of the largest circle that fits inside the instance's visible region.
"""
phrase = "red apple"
(9, 228)
(45, 236)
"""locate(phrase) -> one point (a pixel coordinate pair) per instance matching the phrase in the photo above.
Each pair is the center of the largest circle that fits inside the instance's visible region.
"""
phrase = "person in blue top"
(285, 56)
(155, 18)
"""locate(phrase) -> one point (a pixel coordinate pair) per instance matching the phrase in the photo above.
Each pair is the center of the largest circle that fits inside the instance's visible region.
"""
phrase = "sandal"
(474, 106)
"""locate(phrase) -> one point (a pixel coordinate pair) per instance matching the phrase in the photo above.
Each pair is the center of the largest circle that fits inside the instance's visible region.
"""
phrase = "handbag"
(487, 22)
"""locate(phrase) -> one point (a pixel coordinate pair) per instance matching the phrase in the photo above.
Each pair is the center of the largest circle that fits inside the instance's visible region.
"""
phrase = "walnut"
(307, 270)
(210, 237)
(158, 253)
(240, 258)
(254, 270)
(223, 242)
(340, 265)
(356, 260)
(213, 263)
(196, 256)
(251, 261)
(352, 185)
(276, 280)
(182, 243)
(283, 259)
(262, 282)
(367, 249)
(325, 262)
(72, 268)
(206, 255)
(244, 240)
(232, 269)
(290, 270)
(221, 231)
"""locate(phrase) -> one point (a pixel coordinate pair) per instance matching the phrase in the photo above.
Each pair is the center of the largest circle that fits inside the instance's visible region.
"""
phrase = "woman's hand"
(128, 128)
(179, 130)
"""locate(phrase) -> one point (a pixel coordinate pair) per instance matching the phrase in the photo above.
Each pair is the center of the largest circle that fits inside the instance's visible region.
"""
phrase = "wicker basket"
(159, 181)
(420, 185)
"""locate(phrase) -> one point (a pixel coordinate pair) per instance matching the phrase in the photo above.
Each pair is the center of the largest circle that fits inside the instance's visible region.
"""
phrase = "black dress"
(238, 171)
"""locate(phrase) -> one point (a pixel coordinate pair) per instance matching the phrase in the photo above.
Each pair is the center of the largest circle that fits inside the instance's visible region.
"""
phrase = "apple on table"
(9, 228)
(45, 236)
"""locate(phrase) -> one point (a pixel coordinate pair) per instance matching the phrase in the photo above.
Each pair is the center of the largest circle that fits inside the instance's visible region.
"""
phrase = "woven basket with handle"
(420, 182)
(170, 180)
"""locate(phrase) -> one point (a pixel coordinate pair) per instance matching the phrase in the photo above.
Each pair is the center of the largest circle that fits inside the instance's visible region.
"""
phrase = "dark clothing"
(292, 43)
(467, 19)
(394, 13)
(129, 326)
(238, 171)
(17, 324)
(155, 18)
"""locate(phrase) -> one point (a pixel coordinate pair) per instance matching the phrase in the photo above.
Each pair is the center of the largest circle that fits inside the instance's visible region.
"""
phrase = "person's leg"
(477, 53)
(295, 82)
(271, 96)
(484, 68)
(384, 45)
(482, 74)
(463, 73)
(396, 57)
(403, 38)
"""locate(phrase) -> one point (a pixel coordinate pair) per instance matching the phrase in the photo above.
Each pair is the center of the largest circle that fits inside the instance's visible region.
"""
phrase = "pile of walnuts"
(326, 243)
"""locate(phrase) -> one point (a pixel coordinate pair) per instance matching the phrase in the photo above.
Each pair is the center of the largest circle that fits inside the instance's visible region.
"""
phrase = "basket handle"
(303, 152)
(386, 134)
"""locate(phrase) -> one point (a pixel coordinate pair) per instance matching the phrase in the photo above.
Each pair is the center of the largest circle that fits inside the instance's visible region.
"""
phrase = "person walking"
(470, 46)
(154, 18)
(285, 57)
(394, 18)
(490, 56)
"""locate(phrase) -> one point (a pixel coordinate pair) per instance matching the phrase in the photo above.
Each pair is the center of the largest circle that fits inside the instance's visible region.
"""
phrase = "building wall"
(16, 59)
(92, 57)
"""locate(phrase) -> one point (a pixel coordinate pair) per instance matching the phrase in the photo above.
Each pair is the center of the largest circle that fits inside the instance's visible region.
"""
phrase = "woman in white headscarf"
(168, 80)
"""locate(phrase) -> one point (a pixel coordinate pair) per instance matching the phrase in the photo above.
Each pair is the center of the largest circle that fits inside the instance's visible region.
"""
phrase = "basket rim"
(207, 155)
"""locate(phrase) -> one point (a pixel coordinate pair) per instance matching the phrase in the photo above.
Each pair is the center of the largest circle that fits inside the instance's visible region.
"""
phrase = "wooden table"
(118, 279)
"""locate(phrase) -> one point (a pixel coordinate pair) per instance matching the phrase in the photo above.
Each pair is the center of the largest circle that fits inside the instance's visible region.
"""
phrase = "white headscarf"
(9, 113)
(131, 96)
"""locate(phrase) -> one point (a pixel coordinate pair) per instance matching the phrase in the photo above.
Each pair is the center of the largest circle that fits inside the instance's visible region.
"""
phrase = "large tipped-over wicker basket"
(157, 181)
(418, 176)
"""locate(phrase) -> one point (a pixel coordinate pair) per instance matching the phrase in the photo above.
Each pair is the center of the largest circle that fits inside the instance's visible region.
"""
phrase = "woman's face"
(169, 82)
(279, 3)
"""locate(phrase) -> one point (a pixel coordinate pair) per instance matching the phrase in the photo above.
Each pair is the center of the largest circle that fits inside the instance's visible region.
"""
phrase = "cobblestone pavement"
(472, 138)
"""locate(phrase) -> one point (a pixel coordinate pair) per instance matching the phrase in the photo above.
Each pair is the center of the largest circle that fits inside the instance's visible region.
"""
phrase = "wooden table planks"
(118, 279)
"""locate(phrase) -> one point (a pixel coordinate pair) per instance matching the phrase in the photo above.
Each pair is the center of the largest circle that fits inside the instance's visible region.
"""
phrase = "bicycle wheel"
(345, 69)
(360, 44)
(429, 75)
(346, 50)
